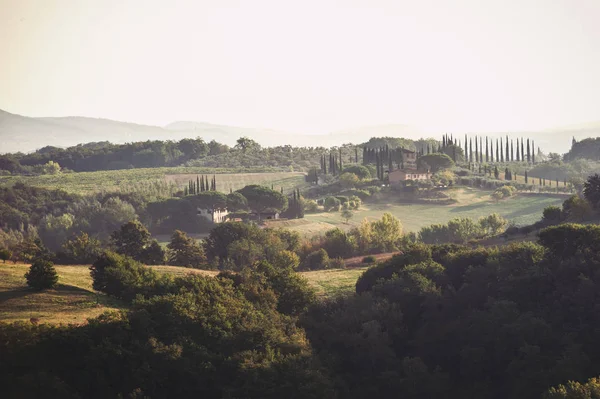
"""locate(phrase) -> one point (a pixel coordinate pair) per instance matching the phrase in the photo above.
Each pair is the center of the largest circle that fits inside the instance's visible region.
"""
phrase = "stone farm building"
(213, 215)
(400, 175)
(408, 170)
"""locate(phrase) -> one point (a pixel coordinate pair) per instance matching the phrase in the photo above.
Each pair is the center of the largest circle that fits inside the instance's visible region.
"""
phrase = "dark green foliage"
(224, 234)
(124, 278)
(184, 251)
(369, 259)
(153, 254)
(552, 215)
(361, 171)
(131, 240)
(435, 162)
(41, 275)
(415, 253)
(5, 254)
(591, 190)
(79, 250)
(316, 260)
(262, 199)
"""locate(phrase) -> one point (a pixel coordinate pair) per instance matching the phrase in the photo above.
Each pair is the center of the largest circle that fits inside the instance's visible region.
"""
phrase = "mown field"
(74, 300)
(136, 179)
(473, 203)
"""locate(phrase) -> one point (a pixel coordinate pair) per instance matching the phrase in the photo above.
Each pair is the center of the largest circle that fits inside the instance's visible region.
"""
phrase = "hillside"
(74, 300)
(25, 134)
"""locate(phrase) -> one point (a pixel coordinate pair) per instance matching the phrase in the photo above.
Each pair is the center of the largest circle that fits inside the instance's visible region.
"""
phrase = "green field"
(131, 179)
(473, 203)
(74, 300)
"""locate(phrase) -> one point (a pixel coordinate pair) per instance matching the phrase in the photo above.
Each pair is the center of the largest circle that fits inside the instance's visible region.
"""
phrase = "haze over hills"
(26, 134)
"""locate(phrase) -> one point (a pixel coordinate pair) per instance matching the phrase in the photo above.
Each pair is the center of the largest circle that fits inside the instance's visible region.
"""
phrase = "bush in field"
(503, 192)
(5, 254)
(552, 215)
(41, 275)
(369, 259)
(337, 263)
(311, 206)
(316, 260)
(331, 204)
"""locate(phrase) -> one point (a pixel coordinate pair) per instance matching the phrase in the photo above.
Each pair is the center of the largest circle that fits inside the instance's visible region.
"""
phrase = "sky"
(305, 66)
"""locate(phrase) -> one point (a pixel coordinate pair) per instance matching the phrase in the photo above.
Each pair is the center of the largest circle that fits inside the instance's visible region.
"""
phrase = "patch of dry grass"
(73, 301)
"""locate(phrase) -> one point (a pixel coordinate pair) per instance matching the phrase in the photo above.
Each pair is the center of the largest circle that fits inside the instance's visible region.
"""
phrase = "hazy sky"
(306, 66)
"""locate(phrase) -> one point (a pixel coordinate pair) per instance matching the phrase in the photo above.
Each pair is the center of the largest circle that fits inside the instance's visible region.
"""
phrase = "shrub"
(311, 206)
(331, 204)
(317, 260)
(369, 259)
(337, 263)
(552, 215)
(5, 254)
(41, 275)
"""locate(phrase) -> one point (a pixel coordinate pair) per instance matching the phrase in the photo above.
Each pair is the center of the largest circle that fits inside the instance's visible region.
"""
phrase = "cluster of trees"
(200, 185)
(463, 230)
(454, 322)
(433, 321)
(107, 156)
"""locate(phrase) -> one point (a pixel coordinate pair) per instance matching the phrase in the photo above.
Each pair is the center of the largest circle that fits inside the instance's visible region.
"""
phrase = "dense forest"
(441, 321)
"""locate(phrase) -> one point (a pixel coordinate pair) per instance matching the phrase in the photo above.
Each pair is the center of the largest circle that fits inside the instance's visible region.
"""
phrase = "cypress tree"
(526, 178)
(341, 164)
(487, 150)
(501, 151)
(466, 149)
(512, 153)
(185, 191)
(496, 172)
(356, 155)
(198, 183)
(470, 150)
(518, 158)
(491, 151)
(476, 151)
(522, 151)
(533, 151)
(497, 151)
(507, 153)
(528, 152)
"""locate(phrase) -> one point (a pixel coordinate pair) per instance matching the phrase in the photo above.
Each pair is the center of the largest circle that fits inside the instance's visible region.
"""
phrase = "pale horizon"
(317, 67)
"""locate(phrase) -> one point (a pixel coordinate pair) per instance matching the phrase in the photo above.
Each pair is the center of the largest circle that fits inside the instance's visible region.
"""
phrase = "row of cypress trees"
(200, 185)
(494, 151)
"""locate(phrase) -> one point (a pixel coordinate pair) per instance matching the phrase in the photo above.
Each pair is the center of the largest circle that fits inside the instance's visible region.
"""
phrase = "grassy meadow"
(74, 300)
(473, 203)
(132, 179)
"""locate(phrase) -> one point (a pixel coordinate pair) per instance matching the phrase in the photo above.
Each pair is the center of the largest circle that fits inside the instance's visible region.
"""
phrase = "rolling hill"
(25, 134)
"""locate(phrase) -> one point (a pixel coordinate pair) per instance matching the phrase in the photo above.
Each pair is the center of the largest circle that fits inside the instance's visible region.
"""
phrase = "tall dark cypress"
(476, 151)
(512, 153)
(341, 164)
(466, 149)
(522, 151)
(501, 151)
(507, 153)
(532, 151)
(518, 156)
(492, 151)
(356, 155)
(528, 152)
(487, 150)
(470, 150)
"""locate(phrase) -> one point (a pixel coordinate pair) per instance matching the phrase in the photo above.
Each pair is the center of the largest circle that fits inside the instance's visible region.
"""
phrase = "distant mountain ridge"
(26, 134)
